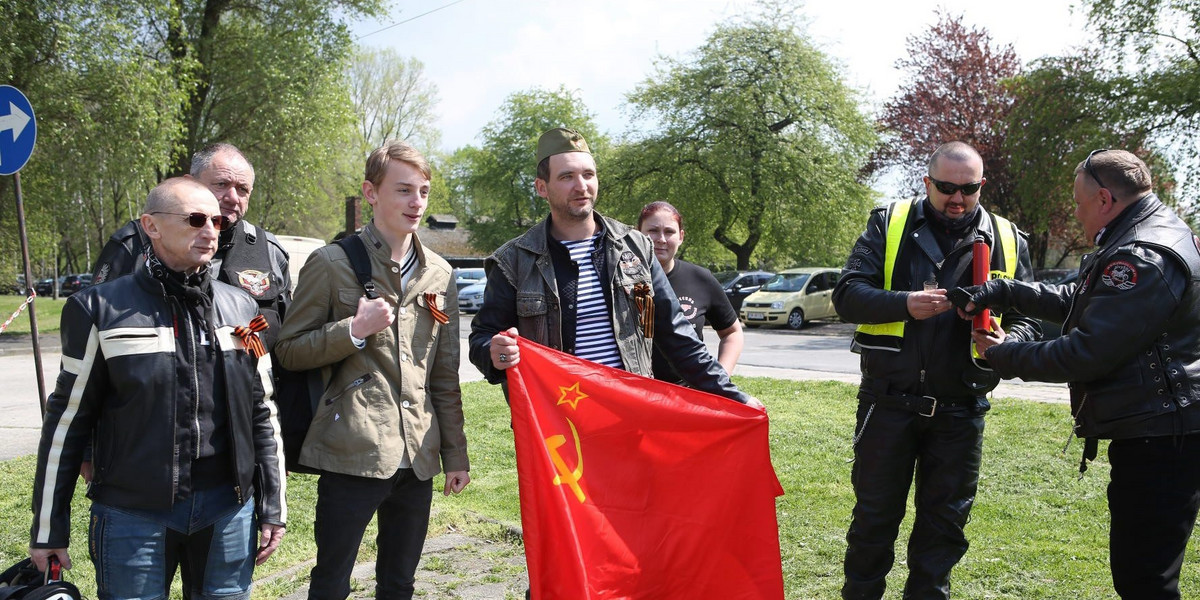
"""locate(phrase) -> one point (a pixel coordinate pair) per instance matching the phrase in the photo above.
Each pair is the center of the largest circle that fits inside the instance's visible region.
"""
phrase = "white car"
(465, 277)
(792, 298)
(470, 298)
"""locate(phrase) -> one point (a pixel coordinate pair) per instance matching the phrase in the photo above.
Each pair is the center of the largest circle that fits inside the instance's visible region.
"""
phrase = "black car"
(67, 284)
(739, 284)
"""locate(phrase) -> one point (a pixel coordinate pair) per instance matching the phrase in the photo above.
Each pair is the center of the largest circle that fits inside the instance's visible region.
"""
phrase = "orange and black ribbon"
(643, 297)
(250, 337)
(438, 315)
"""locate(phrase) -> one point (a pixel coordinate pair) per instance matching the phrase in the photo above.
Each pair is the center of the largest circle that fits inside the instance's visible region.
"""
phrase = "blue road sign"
(18, 130)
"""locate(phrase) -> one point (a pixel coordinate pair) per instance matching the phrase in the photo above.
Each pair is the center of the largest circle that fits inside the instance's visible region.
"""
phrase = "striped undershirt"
(408, 267)
(594, 338)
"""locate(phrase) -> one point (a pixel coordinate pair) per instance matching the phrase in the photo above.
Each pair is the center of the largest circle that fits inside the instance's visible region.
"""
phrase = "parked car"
(739, 284)
(465, 277)
(69, 284)
(470, 298)
(792, 298)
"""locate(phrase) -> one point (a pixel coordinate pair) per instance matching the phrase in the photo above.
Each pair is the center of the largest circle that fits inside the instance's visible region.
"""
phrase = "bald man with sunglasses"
(922, 399)
(164, 376)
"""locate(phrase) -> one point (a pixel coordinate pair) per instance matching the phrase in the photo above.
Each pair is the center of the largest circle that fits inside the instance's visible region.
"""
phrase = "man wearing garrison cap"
(600, 267)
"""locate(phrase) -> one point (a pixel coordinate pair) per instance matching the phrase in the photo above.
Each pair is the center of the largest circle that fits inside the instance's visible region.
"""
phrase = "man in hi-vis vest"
(922, 397)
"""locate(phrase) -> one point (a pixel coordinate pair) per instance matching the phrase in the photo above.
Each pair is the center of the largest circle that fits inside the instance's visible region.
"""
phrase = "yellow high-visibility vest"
(888, 336)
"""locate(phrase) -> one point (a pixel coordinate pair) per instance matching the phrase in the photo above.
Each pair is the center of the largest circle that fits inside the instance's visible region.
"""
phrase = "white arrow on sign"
(16, 119)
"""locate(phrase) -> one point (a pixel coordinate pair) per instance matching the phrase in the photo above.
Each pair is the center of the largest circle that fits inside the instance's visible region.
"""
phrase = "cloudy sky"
(478, 52)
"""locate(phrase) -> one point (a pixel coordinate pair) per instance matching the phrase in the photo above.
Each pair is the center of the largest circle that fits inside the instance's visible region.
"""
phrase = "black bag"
(298, 392)
(23, 581)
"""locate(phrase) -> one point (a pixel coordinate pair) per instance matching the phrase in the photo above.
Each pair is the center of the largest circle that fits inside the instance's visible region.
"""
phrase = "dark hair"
(1123, 172)
(956, 151)
(543, 169)
(654, 207)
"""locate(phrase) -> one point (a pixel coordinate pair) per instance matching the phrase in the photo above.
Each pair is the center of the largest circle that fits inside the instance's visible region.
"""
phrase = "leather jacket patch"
(255, 282)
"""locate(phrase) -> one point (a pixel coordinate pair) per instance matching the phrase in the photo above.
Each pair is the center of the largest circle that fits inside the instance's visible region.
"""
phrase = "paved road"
(820, 352)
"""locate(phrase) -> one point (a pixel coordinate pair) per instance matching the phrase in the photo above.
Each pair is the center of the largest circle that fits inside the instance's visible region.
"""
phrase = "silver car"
(470, 298)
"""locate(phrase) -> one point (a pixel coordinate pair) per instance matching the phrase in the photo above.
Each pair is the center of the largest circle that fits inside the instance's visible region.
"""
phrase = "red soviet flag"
(635, 488)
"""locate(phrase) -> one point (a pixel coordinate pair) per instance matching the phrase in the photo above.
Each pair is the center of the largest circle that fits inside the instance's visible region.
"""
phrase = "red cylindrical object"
(981, 261)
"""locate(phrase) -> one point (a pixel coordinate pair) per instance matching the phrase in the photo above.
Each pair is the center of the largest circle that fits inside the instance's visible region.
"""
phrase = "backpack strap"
(356, 251)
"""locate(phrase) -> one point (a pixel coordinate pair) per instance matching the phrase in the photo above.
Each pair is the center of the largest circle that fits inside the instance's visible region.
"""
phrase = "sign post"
(18, 132)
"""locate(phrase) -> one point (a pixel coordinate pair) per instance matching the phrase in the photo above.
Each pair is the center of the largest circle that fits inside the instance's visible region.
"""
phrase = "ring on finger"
(503, 357)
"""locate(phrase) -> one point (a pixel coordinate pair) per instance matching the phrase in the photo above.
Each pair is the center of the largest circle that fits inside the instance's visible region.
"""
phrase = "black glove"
(961, 297)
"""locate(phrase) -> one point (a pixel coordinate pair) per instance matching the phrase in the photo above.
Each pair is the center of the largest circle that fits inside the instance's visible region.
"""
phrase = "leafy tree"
(954, 91)
(491, 187)
(392, 99)
(1065, 107)
(1156, 43)
(757, 140)
(106, 117)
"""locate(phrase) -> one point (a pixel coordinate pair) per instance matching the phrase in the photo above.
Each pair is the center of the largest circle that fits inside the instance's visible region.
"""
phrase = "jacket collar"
(536, 240)
(1133, 214)
(379, 247)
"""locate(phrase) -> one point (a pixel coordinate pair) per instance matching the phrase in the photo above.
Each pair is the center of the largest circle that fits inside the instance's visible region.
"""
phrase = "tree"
(1156, 43)
(392, 99)
(1065, 107)
(491, 187)
(758, 142)
(954, 91)
(106, 119)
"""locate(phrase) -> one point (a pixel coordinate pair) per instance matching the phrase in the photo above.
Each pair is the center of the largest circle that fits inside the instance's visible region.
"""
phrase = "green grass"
(48, 313)
(1037, 530)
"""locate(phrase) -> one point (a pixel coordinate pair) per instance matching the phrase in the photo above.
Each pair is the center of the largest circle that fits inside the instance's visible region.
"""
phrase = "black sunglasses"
(1087, 167)
(945, 187)
(198, 219)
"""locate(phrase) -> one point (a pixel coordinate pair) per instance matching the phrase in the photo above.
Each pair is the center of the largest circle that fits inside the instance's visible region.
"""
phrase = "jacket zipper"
(353, 384)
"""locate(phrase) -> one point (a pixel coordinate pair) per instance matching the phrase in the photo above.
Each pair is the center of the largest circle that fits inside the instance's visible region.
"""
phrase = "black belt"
(926, 406)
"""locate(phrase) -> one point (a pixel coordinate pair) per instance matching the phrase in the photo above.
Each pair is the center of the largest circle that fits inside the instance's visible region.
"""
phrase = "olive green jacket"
(397, 397)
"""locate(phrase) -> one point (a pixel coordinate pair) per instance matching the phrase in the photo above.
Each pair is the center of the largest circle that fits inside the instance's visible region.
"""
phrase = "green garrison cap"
(558, 141)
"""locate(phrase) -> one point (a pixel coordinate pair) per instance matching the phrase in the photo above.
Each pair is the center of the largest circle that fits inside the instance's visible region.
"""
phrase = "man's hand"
(268, 540)
(504, 349)
(756, 403)
(85, 471)
(985, 339)
(456, 481)
(41, 556)
(371, 317)
(925, 305)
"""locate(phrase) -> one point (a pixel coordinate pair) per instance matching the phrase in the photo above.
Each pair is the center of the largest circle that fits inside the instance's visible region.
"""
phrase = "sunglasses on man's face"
(198, 219)
(949, 189)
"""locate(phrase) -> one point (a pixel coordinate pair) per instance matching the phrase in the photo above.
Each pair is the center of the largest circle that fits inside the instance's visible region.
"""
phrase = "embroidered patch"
(861, 248)
(255, 282)
(688, 307)
(102, 276)
(1120, 275)
(630, 264)
(853, 264)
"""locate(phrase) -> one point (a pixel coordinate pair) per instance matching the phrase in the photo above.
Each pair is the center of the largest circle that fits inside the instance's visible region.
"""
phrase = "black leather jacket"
(1131, 329)
(522, 292)
(258, 255)
(119, 386)
(935, 357)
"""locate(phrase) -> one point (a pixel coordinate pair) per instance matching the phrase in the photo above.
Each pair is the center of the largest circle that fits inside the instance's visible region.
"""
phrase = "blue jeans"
(208, 535)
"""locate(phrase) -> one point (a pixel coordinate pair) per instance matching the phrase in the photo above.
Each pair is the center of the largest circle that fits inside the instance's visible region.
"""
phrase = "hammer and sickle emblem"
(565, 474)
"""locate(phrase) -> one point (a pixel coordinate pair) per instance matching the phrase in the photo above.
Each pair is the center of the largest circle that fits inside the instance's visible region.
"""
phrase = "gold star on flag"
(575, 395)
